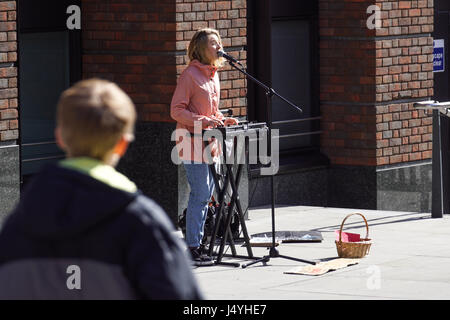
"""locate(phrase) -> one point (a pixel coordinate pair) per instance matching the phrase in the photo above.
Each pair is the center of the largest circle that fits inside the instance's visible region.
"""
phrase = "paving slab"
(409, 258)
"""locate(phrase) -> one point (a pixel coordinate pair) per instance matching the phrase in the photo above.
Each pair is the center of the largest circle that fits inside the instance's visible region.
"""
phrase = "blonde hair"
(92, 116)
(198, 44)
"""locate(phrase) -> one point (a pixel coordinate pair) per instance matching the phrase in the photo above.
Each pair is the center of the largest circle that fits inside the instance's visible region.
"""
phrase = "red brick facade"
(133, 44)
(370, 79)
(9, 124)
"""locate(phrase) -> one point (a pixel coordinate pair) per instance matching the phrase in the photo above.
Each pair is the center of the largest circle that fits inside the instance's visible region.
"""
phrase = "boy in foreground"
(82, 230)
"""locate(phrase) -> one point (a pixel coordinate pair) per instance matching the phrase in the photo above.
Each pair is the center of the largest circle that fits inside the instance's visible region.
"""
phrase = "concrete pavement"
(409, 258)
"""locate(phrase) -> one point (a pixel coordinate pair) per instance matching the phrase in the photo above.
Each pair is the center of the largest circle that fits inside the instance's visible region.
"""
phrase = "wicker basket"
(353, 249)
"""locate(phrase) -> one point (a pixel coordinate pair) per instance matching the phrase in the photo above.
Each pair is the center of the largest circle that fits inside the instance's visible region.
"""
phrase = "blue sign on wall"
(438, 56)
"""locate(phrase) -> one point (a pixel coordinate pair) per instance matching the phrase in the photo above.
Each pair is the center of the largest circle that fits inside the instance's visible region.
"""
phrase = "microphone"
(222, 53)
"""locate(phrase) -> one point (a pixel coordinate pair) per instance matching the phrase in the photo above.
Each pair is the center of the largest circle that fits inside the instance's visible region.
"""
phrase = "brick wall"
(142, 46)
(230, 19)
(404, 72)
(8, 73)
(133, 44)
(370, 79)
(347, 77)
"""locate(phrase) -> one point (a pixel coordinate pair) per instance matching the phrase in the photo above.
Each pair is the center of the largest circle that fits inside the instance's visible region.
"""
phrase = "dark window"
(291, 70)
(49, 62)
(283, 53)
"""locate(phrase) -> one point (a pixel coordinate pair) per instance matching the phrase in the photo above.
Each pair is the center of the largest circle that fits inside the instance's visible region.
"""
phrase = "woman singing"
(195, 103)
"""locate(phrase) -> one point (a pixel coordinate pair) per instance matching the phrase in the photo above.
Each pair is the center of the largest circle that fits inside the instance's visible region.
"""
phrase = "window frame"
(33, 18)
(260, 14)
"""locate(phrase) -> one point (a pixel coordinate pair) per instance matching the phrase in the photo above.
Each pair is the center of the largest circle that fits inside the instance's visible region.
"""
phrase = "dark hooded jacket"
(74, 237)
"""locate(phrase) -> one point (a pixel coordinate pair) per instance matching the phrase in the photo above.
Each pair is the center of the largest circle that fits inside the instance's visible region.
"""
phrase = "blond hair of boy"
(95, 118)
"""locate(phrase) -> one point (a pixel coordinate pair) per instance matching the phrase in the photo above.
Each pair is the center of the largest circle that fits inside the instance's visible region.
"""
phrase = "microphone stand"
(270, 92)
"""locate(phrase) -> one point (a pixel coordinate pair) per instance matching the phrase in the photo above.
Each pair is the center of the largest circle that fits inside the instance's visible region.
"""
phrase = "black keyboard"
(242, 128)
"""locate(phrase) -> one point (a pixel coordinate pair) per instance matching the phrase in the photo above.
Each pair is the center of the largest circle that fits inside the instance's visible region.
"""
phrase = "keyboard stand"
(233, 181)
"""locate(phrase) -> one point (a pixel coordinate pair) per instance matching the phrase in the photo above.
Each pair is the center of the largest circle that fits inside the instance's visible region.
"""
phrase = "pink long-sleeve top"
(196, 96)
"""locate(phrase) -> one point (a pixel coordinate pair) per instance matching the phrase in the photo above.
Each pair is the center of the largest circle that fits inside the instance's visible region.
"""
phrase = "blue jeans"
(201, 182)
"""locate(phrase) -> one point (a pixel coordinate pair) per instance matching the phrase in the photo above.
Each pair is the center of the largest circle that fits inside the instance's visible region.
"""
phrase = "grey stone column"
(9, 179)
